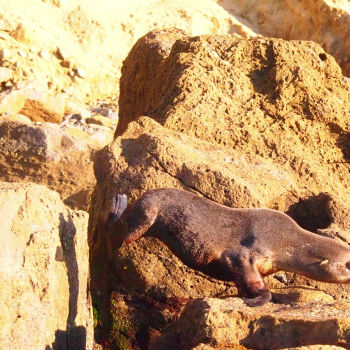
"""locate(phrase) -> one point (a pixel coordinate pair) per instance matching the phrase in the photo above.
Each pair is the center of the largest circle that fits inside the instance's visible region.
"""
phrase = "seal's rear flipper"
(119, 204)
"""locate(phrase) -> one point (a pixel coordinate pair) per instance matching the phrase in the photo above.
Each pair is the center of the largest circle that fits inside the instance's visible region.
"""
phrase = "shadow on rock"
(264, 79)
(312, 213)
(343, 143)
(74, 337)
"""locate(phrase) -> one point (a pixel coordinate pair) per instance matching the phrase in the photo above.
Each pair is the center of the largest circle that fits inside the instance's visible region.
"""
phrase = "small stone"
(44, 54)
(22, 53)
(5, 74)
(67, 64)
(42, 107)
(11, 102)
(61, 53)
(106, 112)
(76, 117)
(25, 35)
(74, 106)
(5, 54)
(80, 73)
(101, 120)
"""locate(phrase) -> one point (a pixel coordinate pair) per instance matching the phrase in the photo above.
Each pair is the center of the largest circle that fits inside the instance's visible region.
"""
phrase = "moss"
(119, 335)
(96, 309)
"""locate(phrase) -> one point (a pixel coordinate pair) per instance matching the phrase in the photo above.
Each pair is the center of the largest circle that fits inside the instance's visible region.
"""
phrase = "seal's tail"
(119, 204)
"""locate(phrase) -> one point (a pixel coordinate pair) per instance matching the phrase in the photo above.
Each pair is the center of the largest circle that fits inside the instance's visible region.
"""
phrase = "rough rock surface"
(231, 111)
(78, 46)
(256, 96)
(41, 107)
(56, 156)
(227, 323)
(283, 141)
(217, 87)
(44, 271)
(326, 22)
(149, 156)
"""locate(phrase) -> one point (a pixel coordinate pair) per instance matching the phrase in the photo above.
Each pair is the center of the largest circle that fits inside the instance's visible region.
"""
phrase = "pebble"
(62, 53)
(25, 72)
(5, 54)
(44, 54)
(75, 117)
(67, 64)
(80, 73)
(22, 53)
(101, 120)
(5, 74)
(106, 112)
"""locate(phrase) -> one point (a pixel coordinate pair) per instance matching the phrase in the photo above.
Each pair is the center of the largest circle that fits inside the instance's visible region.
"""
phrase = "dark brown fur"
(239, 245)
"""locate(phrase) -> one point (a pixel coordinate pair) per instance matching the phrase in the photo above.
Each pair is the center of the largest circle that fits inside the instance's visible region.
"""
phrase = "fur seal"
(239, 245)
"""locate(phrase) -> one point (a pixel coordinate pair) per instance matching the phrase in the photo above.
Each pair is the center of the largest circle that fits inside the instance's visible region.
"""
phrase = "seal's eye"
(348, 265)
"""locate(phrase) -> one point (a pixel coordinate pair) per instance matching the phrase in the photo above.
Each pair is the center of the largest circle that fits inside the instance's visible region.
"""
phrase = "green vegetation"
(119, 335)
(96, 310)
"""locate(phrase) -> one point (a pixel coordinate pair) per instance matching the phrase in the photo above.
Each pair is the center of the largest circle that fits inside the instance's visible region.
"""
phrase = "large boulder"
(228, 323)
(254, 95)
(50, 154)
(44, 271)
(149, 156)
(285, 101)
(323, 21)
(245, 122)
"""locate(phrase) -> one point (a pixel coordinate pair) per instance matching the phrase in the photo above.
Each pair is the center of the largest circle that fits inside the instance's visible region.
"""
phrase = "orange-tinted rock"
(325, 22)
(42, 107)
(285, 101)
(148, 156)
(232, 91)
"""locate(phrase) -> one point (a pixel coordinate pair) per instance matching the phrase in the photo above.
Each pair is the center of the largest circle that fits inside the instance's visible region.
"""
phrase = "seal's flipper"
(119, 204)
(263, 298)
(139, 220)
